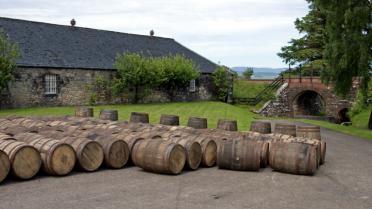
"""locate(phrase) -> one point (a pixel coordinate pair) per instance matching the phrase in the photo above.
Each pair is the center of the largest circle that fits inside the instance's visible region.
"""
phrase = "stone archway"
(309, 102)
(343, 115)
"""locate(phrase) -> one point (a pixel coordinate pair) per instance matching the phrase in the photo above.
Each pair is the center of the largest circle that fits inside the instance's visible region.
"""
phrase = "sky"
(228, 32)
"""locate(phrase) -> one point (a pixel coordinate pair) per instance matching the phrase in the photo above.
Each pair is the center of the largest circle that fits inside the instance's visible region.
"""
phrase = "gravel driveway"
(345, 181)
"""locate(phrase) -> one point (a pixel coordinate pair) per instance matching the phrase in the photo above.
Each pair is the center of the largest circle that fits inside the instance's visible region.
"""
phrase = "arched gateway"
(309, 102)
(308, 97)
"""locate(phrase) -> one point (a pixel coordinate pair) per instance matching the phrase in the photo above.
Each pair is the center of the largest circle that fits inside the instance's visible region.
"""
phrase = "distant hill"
(261, 72)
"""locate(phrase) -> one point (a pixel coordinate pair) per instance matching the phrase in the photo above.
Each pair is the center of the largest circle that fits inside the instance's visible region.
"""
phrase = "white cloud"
(234, 32)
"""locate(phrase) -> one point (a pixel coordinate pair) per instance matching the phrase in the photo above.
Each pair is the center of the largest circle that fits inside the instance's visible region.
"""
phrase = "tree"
(134, 73)
(9, 53)
(235, 75)
(176, 72)
(307, 50)
(248, 73)
(137, 73)
(348, 44)
(221, 81)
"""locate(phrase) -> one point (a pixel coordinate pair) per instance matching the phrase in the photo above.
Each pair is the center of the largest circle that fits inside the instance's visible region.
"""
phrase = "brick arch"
(308, 101)
(343, 115)
(295, 86)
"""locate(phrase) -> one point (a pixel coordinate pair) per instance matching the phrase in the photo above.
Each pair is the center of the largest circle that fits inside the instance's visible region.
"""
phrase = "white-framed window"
(50, 84)
(192, 86)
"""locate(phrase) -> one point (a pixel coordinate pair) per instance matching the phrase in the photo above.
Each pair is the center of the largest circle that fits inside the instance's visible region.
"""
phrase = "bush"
(248, 73)
(175, 72)
(221, 81)
(9, 53)
(138, 74)
(359, 105)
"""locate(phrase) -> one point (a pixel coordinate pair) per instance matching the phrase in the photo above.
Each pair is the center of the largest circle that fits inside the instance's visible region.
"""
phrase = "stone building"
(58, 62)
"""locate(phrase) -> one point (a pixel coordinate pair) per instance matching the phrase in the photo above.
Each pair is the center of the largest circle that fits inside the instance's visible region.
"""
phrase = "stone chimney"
(73, 22)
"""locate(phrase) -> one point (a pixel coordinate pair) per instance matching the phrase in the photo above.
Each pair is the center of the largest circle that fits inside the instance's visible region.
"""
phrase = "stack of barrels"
(292, 149)
(60, 144)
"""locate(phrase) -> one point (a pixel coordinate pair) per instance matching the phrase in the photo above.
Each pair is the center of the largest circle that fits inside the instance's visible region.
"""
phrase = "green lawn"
(249, 89)
(361, 119)
(246, 89)
(211, 110)
(359, 127)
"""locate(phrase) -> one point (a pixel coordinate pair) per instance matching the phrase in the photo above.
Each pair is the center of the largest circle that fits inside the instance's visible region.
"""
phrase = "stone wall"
(27, 89)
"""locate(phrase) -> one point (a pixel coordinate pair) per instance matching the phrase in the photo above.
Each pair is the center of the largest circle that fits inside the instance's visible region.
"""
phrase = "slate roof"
(59, 46)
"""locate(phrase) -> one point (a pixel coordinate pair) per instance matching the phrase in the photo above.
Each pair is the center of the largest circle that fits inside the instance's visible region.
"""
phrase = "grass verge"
(211, 110)
(247, 89)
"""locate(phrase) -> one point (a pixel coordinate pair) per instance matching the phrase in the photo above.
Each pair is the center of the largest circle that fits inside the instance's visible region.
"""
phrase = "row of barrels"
(178, 146)
(165, 119)
(264, 127)
(55, 145)
(310, 142)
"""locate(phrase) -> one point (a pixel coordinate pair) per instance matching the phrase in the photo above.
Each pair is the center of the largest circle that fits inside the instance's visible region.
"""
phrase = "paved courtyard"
(345, 181)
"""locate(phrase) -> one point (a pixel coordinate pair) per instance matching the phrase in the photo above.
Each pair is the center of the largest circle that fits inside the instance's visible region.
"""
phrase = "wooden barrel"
(287, 129)
(227, 125)
(130, 138)
(116, 151)
(89, 153)
(84, 112)
(170, 120)
(257, 136)
(17, 120)
(159, 156)
(198, 123)
(209, 149)
(139, 117)
(291, 139)
(112, 115)
(264, 156)
(4, 165)
(193, 150)
(4, 136)
(30, 123)
(312, 132)
(25, 160)
(54, 134)
(239, 154)
(323, 148)
(58, 158)
(57, 123)
(263, 127)
(7, 124)
(294, 158)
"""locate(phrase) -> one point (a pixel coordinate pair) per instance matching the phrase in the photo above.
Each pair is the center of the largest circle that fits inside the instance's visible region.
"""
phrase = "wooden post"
(370, 122)
(289, 75)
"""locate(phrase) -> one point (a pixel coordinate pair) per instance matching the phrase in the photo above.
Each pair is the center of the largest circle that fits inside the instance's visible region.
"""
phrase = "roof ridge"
(84, 28)
(63, 46)
(194, 52)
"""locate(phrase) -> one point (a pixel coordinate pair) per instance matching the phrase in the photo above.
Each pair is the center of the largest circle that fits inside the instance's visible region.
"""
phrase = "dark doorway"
(343, 116)
(309, 103)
